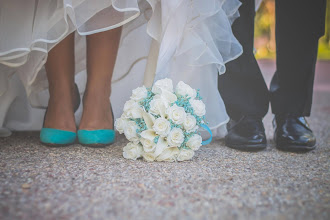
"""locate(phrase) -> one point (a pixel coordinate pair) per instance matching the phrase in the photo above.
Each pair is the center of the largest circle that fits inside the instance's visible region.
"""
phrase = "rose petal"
(161, 110)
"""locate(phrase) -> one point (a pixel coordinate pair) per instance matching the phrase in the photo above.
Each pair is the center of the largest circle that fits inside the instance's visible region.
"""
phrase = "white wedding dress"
(188, 40)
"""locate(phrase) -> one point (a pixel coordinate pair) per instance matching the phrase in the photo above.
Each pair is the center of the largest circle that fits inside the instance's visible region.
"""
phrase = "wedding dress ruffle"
(31, 28)
(193, 41)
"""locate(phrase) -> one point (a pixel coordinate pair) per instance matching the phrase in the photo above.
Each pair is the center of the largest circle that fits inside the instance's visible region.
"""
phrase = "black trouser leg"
(299, 25)
(242, 87)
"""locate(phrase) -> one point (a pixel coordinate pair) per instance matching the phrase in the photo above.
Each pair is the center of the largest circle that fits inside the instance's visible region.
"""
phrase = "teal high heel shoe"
(57, 138)
(97, 138)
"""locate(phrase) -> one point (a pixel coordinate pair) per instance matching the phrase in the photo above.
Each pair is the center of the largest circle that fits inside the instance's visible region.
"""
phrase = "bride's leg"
(101, 56)
(60, 74)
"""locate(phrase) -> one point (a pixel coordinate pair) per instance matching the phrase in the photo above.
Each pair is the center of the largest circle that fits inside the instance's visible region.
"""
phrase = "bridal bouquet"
(161, 123)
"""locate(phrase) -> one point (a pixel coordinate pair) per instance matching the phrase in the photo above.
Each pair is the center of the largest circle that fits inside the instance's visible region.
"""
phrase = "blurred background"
(265, 33)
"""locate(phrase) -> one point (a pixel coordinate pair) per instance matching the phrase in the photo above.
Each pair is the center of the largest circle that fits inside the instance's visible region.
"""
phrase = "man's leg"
(243, 88)
(299, 25)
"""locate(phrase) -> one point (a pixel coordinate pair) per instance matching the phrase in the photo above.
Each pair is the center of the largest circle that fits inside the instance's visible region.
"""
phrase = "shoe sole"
(248, 148)
(296, 148)
(96, 145)
(66, 145)
(55, 145)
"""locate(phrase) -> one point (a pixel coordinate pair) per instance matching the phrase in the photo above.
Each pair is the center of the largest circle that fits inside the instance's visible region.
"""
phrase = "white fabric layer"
(193, 40)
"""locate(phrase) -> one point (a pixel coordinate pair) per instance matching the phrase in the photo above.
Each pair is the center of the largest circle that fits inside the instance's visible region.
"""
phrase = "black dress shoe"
(293, 134)
(246, 134)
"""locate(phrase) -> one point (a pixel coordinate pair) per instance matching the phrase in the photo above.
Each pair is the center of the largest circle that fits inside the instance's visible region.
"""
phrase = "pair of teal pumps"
(95, 138)
(92, 138)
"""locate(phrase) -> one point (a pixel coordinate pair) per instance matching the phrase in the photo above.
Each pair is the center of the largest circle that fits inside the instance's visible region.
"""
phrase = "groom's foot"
(293, 134)
(246, 134)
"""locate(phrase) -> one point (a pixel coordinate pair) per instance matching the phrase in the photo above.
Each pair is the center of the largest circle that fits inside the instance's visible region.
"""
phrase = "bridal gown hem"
(193, 38)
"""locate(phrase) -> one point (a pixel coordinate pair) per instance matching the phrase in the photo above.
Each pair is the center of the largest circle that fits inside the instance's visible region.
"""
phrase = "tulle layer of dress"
(188, 40)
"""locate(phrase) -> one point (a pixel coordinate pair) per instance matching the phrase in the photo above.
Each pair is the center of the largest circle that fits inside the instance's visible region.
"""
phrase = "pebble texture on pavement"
(38, 182)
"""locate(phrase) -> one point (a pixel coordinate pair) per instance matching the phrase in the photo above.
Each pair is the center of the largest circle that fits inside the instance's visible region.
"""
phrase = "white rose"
(162, 127)
(135, 112)
(190, 123)
(157, 106)
(199, 107)
(120, 125)
(130, 131)
(130, 104)
(139, 93)
(185, 155)
(149, 156)
(175, 137)
(176, 114)
(132, 151)
(165, 84)
(132, 109)
(148, 145)
(184, 89)
(195, 142)
(169, 154)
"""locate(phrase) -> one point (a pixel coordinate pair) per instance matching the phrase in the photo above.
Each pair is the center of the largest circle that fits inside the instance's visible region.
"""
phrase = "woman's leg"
(101, 57)
(60, 74)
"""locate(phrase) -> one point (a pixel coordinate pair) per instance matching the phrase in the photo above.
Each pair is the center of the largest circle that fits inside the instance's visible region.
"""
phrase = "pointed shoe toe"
(293, 134)
(246, 134)
(96, 138)
(57, 138)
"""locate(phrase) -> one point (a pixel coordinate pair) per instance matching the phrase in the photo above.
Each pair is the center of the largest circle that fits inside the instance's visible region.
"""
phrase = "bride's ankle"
(99, 89)
(60, 116)
(97, 113)
(97, 97)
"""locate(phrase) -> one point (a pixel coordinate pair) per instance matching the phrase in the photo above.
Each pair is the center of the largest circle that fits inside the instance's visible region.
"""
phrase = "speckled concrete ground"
(38, 182)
